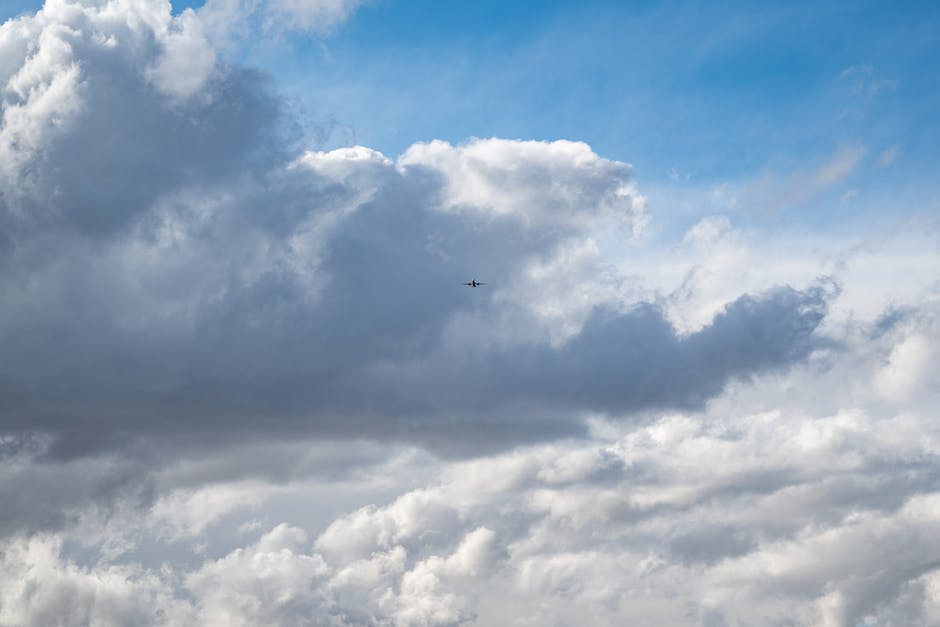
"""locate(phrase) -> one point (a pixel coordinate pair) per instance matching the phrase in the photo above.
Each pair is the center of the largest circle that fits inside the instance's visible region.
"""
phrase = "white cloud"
(840, 166)
(766, 507)
(189, 512)
(559, 184)
(910, 366)
(42, 588)
(269, 583)
(187, 60)
(209, 351)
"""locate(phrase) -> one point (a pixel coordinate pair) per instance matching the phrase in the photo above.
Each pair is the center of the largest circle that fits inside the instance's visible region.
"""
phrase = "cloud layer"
(170, 269)
(741, 513)
(243, 385)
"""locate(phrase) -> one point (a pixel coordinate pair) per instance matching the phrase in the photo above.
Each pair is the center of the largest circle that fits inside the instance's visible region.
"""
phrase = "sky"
(244, 383)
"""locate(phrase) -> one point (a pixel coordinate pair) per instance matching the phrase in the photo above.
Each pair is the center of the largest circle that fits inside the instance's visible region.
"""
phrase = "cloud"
(773, 192)
(173, 270)
(231, 23)
(312, 14)
(889, 155)
(243, 384)
(42, 589)
(186, 61)
(764, 507)
(556, 185)
(109, 107)
(271, 582)
(839, 167)
(864, 83)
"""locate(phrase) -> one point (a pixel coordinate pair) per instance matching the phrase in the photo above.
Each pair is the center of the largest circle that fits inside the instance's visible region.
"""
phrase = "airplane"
(474, 283)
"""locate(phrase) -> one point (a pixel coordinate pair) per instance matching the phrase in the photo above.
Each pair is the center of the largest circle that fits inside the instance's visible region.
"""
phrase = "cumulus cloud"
(753, 510)
(110, 106)
(172, 269)
(40, 588)
(226, 359)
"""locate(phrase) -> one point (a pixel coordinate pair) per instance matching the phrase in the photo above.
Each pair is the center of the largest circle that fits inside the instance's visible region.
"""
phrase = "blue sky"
(694, 96)
(713, 92)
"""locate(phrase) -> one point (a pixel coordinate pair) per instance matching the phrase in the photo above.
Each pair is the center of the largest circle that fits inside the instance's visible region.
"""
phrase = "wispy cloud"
(774, 192)
(888, 156)
(839, 167)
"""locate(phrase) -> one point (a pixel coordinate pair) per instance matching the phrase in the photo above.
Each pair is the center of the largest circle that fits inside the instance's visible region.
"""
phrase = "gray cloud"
(738, 513)
(223, 356)
(170, 271)
(262, 357)
(92, 139)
